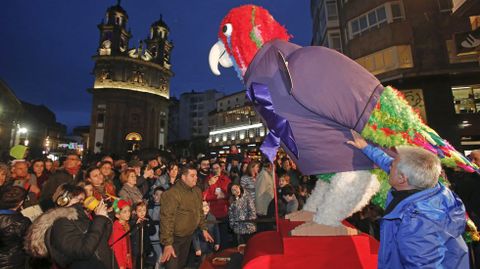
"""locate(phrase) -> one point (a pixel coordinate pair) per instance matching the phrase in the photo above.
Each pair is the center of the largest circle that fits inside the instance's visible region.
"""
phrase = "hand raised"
(358, 141)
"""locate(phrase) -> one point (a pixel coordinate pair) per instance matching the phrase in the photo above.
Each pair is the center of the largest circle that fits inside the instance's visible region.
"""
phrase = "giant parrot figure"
(310, 98)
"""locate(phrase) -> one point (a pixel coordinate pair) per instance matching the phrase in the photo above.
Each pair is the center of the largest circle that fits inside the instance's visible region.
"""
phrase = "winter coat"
(181, 212)
(13, 227)
(424, 231)
(162, 181)
(291, 206)
(26, 184)
(264, 192)
(121, 247)
(148, 230)
(154, 213)
(199, 242)
(240, 210)
(248, 184)
(130, 194)
(71, 238)
(218, 207)
(467, 186)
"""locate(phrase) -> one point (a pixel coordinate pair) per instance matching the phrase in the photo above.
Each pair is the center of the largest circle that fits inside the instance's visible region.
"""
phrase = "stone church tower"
(131, 88)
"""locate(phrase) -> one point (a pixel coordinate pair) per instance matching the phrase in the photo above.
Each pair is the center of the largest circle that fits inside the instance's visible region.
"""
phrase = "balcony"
(388, 59)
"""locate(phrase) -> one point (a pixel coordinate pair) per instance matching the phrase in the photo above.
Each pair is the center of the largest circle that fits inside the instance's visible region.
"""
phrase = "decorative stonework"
(132, 86)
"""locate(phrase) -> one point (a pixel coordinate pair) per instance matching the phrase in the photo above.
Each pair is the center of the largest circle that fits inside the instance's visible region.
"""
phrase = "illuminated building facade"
(235, 122)
(131, 87)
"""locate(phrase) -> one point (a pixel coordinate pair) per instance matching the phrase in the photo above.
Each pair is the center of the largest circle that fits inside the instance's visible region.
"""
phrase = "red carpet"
(279, 250)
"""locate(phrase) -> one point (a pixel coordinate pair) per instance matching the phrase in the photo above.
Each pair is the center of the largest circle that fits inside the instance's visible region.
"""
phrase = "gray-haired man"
(424, 221)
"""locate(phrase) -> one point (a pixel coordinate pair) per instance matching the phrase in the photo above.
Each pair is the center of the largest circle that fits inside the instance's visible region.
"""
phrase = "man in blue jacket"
(424, 221)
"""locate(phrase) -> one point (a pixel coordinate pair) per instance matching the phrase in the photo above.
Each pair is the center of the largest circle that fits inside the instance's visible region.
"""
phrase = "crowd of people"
(154, 213)
(149, 213)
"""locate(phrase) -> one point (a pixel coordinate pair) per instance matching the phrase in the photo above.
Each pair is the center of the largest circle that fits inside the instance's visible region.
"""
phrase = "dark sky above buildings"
(46, 46)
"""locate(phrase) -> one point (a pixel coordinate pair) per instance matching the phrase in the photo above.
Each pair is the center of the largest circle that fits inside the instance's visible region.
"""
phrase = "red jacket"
(121, 249)
(218, 207)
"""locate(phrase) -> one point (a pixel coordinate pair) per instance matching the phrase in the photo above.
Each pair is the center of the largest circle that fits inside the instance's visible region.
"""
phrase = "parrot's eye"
(227, 29)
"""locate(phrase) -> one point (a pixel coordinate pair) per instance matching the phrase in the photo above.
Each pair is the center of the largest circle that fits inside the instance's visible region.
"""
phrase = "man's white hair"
(421, 167)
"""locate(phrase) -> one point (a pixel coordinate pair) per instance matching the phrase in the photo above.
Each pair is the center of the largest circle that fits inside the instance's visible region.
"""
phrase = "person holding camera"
(71, 236)
(216, 194)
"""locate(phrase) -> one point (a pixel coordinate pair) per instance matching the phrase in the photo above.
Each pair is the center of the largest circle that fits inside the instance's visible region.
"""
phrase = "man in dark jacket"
(180, 215)
(13, 227)
(70, 174)
(71, 236)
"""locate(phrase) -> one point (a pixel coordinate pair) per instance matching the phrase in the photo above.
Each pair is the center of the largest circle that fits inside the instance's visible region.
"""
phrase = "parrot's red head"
(242, 33)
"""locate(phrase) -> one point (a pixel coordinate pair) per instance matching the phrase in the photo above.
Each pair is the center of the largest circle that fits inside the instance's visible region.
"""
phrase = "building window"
(335, 41)
(386, 13)
(396, 11)
(466, 99)
(445, 5)
(332, 13)
(100, 119)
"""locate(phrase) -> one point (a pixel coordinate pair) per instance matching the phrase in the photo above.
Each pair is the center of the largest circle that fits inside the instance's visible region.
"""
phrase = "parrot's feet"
(301, 215)
(315, 229)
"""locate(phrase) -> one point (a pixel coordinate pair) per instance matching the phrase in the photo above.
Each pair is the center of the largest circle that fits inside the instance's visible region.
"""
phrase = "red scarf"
(73, 171)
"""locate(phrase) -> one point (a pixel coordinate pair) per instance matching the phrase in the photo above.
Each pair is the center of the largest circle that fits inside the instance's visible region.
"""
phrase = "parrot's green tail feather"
(393, 122)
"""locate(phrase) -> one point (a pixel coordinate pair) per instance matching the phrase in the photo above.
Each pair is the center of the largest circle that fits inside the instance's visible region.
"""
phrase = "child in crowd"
(202, 247)
(120, 242)
(242, 214)
(283, 180)
(154, 213)
(139, 221)
(290, 200)
(302, 195)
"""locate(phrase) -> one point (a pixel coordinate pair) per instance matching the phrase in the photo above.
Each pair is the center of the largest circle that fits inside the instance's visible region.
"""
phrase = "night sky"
(46, 46)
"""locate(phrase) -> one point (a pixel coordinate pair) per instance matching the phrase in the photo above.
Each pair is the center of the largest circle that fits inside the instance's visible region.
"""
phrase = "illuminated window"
(466, 99)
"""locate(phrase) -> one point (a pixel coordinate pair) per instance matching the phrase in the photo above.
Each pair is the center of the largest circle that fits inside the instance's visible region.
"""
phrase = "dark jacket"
(71, 239)
(13, 227)
(60, 177)
(181, 212)
(467, 186)
(148, 230)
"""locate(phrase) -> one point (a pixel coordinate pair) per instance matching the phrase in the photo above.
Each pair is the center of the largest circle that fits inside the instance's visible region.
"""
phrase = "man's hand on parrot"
(358, 141)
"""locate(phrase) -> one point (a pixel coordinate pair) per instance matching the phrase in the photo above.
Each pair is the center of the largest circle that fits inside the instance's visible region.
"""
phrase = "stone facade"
(131, 87)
